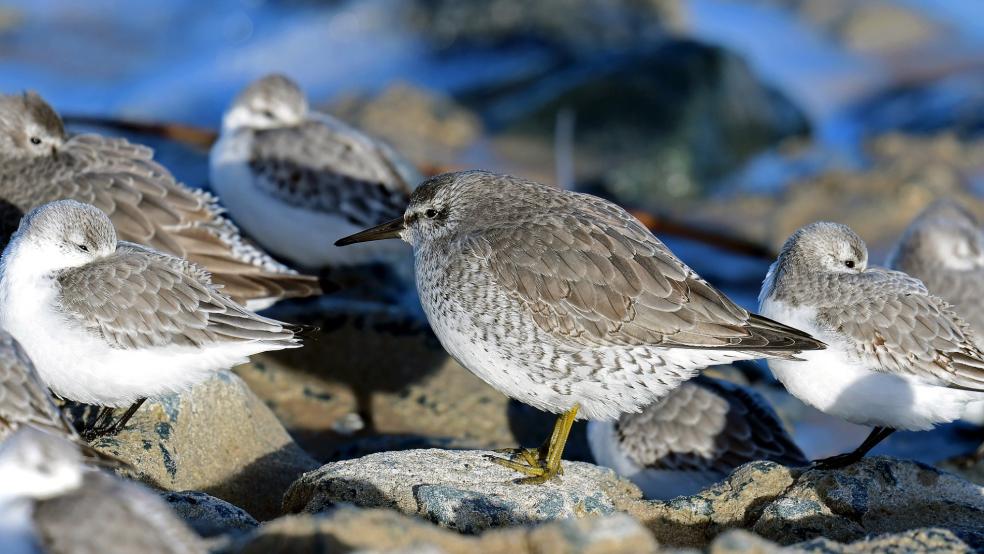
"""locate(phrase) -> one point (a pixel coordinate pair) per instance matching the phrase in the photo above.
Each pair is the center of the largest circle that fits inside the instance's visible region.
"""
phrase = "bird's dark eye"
(35, 140)
(82, 247)
(267, 114)
(430, 213)
(849, 264)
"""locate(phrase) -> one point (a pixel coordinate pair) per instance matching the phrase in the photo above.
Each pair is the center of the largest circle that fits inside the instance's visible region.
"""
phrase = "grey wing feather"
(109, 515)
(893, 324)
(140, 298)
(148, 206)
(707, 425)
(24, 400)
(325, 165)
(592, 275)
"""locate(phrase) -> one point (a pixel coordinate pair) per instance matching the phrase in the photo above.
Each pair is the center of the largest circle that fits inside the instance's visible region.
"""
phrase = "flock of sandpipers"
(121, 284)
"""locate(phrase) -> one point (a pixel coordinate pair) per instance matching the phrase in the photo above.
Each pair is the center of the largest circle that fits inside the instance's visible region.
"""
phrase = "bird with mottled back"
(147, 205)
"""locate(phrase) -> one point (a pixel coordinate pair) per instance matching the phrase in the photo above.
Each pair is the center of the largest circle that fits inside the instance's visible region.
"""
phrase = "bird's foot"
(532, 462)
(837, 462)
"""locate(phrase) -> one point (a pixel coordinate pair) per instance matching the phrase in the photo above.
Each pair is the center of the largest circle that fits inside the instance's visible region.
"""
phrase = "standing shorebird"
(111, 323)
(566, 302)
(40, 163)
(287, 173)
(944, 248)
(693, 438)
(50, 502)
(897, 356)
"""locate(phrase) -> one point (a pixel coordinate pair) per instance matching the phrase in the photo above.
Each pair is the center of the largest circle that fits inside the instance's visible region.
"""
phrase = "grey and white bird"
(109, 322)
(51, 503)
(565, 302)
(25, 400)
(693, 438)
(897, 357)
(944, 248)
(287, 173)
(40, 163)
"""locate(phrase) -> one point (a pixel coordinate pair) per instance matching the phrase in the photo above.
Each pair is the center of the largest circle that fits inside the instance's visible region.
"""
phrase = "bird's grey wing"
(893, 324)
(963, 289)
(148, 206)
(706, 426)
(24, 400)
(140, 298)
(321, 167)
(590, 274)
(108, 515)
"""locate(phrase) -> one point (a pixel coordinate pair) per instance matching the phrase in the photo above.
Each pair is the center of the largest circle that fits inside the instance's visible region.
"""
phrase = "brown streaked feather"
(893, 324)
(612, 283)
(148, 206)
(707, 425)
(139, 298)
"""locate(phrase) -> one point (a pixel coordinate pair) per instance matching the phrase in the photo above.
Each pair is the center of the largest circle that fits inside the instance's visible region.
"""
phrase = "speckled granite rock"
(877, 495)
(207, 515)
(936, 541)
(458, 489)
(218, 438)
(354, 530)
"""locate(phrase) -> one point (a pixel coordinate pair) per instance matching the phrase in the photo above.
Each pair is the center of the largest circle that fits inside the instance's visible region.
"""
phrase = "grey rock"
(218, 438)
(207, 515)
(930, 540)
(875, 496)
(458, 489)
(385, 531)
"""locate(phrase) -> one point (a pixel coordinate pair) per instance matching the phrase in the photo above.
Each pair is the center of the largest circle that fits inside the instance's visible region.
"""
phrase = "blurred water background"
(749, 117)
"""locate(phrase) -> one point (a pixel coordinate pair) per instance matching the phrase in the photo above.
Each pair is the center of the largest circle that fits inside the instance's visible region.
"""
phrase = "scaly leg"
(877, 435)
(542, 464)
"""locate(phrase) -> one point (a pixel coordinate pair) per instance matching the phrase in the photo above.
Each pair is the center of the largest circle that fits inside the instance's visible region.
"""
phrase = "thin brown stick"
(198, 137)
(662, 224)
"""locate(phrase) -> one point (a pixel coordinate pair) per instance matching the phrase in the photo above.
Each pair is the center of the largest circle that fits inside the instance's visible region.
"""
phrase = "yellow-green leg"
(541, 464)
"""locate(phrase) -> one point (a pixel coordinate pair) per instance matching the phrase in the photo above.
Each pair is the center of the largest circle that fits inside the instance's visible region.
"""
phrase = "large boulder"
(209, 516)
(377, 530)
(218, 438)
(461, 490)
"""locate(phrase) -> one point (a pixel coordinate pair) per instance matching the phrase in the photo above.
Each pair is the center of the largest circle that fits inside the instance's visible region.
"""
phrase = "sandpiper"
(897, 357)
(944, 248)
(287, 173)
(50, 502)
(40, 163)
(692, 438)
(24, 399)
(566, 302)
(111, 323)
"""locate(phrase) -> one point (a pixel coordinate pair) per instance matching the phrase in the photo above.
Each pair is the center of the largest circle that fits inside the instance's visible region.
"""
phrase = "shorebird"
(287, 173)
(111, 323)
(25, 401)
(565, 302)
(692, 438)
(897, 357)
(50, 502)
(40, 163)
(944, 248)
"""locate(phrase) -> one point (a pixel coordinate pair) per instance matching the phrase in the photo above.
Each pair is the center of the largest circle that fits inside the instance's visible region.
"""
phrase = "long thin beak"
(388, 230)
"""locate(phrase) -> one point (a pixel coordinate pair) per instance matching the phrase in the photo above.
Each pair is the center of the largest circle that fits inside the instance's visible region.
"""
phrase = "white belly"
(78, 366)
(834, 383)
(305, 237)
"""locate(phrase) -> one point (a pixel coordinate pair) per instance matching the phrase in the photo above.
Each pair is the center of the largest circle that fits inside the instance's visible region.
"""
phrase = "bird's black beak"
(388, 230)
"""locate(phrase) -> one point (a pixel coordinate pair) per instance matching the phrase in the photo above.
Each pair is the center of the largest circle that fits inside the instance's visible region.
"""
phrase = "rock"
(355, 530)
(932, 540)
(460, 490)
(423, 125)
(738, 502)
(874, 496)
(218, 438)
(207, 515)
(390, 371)
(649, 128)
(902, 175)
(568, 26)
